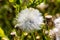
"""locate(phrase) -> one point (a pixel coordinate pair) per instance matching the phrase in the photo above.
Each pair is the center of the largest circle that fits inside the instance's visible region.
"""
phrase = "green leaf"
(1, 32)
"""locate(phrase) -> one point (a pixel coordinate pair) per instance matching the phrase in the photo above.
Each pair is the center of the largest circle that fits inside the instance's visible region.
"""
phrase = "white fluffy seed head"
(29, 19)
(57, 22)
(57, 26)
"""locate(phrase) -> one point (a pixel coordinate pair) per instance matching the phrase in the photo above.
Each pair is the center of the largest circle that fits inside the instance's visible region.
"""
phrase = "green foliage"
(1, 33)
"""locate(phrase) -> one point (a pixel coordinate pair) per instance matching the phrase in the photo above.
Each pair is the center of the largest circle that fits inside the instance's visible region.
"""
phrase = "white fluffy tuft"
(29, 19)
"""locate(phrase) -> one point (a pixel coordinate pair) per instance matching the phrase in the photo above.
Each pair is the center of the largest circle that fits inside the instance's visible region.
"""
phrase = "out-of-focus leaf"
(58, 1)
(11, 0)
(1, 32)
(21, 1)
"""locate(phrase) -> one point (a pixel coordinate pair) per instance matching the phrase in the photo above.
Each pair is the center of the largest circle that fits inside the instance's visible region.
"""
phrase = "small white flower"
(29, 19)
